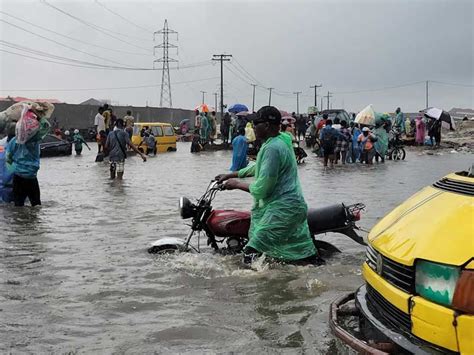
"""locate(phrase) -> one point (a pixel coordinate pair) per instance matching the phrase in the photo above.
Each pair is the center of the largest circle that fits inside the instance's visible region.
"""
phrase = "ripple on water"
(76, 276)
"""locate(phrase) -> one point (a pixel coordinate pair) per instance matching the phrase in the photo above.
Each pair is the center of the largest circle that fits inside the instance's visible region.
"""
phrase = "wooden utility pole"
(253, 97)
(222, 58)
(315, 87)
(270, 96)
(297, 93)
(328, 96)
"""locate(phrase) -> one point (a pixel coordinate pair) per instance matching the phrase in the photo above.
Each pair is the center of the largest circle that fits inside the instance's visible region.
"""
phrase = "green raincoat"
(381, 145)
(278, 225)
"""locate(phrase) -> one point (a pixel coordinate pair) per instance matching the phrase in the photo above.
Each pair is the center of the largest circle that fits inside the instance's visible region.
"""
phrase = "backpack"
(329, 137)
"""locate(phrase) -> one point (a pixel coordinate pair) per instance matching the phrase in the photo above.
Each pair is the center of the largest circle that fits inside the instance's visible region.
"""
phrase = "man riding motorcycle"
(279, 227)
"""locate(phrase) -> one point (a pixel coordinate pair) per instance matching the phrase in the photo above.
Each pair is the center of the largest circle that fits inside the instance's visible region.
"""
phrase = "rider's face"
(261, 130)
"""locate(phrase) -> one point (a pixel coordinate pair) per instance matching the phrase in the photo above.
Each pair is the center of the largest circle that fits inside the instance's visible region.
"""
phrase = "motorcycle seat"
(327, 218)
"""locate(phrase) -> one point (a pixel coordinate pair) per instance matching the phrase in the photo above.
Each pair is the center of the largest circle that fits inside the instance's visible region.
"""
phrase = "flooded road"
(75, 275)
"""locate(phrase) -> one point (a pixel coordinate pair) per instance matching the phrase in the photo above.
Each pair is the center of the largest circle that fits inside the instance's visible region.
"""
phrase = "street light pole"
(203, 92)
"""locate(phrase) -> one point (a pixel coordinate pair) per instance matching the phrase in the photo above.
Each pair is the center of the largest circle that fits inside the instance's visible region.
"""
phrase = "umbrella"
(186, 120)
(202, 108)
(242, 113)
(366, 116)
(236, 108)
(288, 118)
(284, 113)
(442, 116)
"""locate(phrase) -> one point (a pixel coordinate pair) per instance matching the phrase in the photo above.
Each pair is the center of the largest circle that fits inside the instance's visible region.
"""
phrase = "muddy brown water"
(75, 276)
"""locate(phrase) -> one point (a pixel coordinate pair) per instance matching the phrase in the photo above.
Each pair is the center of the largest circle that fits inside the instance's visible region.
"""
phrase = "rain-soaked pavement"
(75, 276)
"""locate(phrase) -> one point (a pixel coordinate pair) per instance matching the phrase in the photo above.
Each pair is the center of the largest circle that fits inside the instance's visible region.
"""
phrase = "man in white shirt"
(99, 123)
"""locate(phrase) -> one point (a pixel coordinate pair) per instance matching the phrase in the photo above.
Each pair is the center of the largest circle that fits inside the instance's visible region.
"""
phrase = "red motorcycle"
(227, 230)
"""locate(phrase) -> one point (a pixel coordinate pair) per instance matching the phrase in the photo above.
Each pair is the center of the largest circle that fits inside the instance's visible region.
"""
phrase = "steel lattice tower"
(165, 97)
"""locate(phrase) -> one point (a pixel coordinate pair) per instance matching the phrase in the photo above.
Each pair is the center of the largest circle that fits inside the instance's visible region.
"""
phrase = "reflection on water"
(75, 275)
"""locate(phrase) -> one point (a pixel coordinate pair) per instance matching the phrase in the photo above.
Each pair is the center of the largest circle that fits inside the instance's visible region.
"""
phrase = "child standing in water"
(78, 140)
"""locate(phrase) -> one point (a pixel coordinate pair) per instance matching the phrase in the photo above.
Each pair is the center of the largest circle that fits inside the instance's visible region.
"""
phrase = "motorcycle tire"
(398, 154)
(163, 249)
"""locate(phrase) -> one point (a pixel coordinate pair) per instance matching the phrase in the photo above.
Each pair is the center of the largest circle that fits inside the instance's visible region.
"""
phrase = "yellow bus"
(163, 132)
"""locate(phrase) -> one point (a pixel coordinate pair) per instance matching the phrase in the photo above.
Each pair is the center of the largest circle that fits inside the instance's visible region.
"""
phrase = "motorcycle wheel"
(398, 154)
(163, 249)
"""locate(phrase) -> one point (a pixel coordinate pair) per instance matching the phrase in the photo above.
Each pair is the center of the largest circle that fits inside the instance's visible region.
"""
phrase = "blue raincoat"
(239, 153)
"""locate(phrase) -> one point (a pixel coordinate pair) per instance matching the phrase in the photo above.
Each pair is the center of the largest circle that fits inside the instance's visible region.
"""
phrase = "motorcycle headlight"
(186, 208)
(436, 282)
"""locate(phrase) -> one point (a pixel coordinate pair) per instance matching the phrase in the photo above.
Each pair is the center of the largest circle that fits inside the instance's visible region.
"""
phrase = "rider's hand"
(231, 184)
(221, 178)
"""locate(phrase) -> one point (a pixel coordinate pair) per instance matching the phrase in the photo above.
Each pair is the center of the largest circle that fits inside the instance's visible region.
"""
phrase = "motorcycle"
(227, 230)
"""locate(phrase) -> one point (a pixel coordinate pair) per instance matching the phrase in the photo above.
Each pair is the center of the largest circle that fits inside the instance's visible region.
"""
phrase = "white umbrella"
(440, 115)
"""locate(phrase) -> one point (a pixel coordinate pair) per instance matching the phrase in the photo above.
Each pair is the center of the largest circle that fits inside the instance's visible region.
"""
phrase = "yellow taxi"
(163, 132)
(419, 272)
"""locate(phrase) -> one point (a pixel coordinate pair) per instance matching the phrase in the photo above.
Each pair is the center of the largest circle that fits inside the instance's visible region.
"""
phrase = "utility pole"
(203, 93)
(427, 87)
(315, 87)
(253, 97)
(270, 96)
(222, 58)
(165, 96)
(297, 93)
(328, 96)
(215, 101)
(321, 104)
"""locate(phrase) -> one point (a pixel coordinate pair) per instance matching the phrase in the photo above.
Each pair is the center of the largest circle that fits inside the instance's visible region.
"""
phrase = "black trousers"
(26, 187)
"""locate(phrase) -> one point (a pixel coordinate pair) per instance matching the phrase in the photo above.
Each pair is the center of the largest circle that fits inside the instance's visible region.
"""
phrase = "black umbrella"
(442, 116)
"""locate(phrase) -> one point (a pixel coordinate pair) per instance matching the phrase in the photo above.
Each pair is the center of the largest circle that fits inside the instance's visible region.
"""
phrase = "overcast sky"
(350, 47)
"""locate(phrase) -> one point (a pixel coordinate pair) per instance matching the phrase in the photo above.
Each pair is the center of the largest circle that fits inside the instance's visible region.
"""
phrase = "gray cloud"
(345, 45)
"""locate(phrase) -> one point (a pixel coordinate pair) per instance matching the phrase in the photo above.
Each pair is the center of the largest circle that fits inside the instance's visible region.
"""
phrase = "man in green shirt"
(279, 228)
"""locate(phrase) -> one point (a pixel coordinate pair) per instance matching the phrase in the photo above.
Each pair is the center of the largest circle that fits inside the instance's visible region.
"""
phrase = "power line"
(61, 44)
(72, 38)
(122, 17)
(451, 84)
(84, 63)
(95, 27)
(253, 79)
(52, 56)
(114, 88)
(379, 89)
(48, 61)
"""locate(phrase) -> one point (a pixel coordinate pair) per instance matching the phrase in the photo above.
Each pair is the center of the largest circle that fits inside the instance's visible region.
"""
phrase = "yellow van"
(163, 132)
(419, 274)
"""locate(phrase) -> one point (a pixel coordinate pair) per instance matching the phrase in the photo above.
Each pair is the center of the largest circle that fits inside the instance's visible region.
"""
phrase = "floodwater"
(75, 276)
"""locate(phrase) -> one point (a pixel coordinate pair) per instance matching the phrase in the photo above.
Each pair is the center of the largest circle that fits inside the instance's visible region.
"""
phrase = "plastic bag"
(249, 133)
(27, 126)
(366, 116)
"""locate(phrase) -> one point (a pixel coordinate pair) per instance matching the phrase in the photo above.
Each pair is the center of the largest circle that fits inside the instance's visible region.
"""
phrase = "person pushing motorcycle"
(278, 228)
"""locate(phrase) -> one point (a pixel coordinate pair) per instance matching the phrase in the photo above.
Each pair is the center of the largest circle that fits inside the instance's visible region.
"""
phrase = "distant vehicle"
(163, 132)
(337, 112)
(52, 146)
